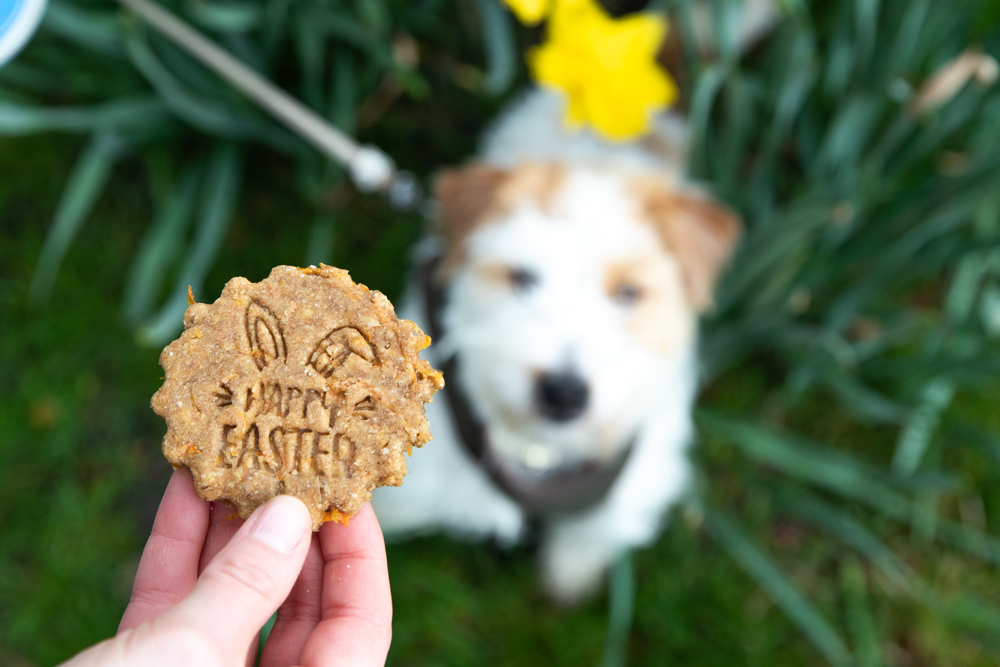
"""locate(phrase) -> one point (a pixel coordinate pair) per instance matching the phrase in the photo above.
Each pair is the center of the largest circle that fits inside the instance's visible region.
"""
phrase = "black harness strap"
(565, 490)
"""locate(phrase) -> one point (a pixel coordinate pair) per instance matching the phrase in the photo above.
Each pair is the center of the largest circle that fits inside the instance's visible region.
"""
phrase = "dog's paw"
(573, 572)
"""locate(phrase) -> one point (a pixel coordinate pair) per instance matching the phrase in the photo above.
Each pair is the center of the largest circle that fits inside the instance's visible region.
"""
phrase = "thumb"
(249, 579)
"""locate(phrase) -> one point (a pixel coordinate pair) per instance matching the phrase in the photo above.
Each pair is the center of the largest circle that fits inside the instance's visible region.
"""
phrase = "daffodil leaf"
(220, 193)
(83, 187)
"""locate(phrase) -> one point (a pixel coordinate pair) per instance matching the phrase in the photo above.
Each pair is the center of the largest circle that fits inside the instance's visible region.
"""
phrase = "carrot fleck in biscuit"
(303, 384)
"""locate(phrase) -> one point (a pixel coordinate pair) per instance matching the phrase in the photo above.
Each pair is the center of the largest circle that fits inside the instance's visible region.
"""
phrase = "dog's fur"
(566, 254)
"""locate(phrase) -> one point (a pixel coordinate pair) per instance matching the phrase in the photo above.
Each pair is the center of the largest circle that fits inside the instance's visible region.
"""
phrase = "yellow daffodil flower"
(529, 12)
(605, 66)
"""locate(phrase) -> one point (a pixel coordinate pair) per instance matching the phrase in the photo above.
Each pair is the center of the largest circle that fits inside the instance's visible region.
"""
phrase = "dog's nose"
(561, 396)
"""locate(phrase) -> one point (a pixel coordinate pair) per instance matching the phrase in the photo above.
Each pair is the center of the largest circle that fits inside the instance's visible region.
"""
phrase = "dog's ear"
(465, 197)
(701, 234)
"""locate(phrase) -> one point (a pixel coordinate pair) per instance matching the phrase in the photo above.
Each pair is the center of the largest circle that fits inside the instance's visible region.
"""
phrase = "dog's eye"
(522, 279)
(627, 294)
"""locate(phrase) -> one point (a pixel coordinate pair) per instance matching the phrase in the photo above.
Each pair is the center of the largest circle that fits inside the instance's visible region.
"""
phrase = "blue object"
(18, 21)
(8, 10)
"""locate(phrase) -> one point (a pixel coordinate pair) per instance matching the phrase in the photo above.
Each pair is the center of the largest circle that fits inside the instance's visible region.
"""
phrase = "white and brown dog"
(563, 297)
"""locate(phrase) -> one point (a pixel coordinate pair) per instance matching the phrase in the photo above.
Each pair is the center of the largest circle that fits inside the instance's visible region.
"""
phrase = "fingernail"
(282, 524)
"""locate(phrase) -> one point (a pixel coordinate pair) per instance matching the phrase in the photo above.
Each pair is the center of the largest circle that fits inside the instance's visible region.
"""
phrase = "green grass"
(75, 428)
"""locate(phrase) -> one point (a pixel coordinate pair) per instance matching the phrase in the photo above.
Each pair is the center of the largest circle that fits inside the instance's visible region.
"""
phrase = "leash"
(369, 167)
(565, 490)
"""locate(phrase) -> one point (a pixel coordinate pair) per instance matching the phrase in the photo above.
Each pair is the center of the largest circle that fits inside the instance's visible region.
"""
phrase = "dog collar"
(565, 490)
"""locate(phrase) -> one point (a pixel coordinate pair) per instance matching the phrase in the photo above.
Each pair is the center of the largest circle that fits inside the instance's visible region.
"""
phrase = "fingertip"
(282, 523)
(182, 512)
(366, 513)
(362, 533)
(181, 483)
(360, 521)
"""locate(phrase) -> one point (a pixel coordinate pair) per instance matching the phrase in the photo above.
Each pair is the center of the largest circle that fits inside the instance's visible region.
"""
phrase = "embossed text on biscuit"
(279, 426)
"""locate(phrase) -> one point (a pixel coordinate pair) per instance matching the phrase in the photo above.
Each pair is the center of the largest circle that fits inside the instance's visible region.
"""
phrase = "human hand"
(205, 586)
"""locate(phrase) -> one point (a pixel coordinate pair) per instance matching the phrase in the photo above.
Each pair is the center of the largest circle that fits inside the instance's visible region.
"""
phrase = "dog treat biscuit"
(303, 384)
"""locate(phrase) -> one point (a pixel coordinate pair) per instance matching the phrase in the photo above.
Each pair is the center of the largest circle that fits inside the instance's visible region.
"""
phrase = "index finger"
(356, 614)
(168, 569)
